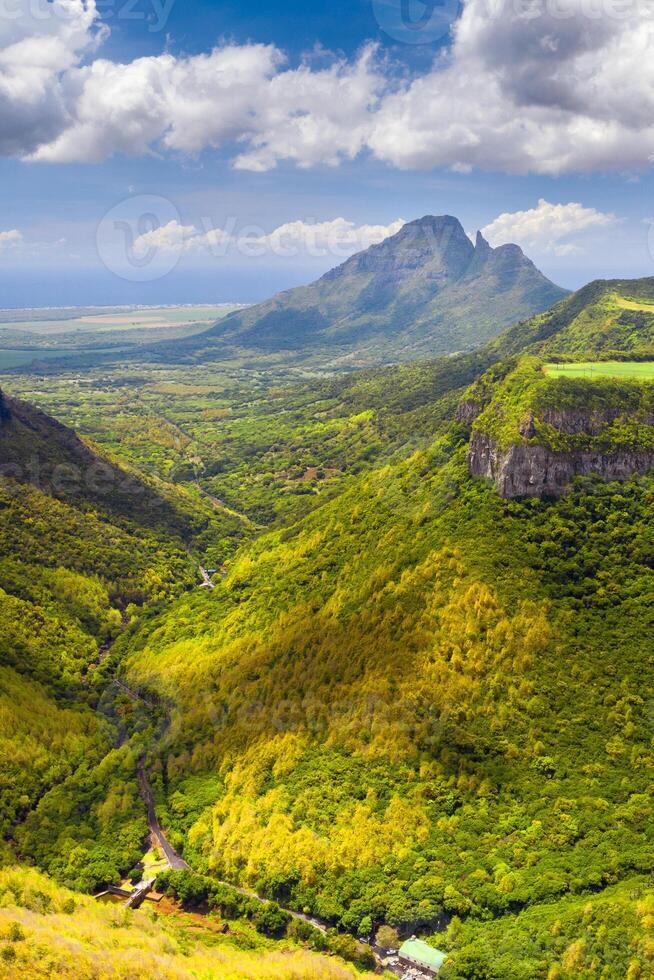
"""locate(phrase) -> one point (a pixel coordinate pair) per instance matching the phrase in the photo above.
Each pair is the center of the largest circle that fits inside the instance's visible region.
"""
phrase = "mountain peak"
(436, 221)
(482, 247)
(434, 225)
(424, 290)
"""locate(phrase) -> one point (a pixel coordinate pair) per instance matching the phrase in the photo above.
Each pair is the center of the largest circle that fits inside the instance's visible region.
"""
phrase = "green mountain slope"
(385, 696)
(428, 706)
(48, 931)
(425, 290)
(86, 547)
(80, 560)
(414, 702)
(602, 318)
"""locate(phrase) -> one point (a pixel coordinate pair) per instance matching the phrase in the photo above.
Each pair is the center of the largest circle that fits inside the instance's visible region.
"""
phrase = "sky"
(178, 151)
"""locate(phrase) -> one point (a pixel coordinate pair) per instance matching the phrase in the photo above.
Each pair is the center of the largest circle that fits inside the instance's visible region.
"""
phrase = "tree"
(270, 920)
(387, 937)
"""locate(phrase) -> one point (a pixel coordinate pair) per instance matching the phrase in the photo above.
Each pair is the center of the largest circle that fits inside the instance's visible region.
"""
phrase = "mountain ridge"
(427, 289)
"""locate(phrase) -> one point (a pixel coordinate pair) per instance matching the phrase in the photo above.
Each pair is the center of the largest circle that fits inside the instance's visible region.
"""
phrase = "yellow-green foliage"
(380, 700)
(47, 931)
(40, 743)
(69, 574)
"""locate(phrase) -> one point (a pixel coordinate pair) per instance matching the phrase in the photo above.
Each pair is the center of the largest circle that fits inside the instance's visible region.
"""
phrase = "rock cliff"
(526, 470)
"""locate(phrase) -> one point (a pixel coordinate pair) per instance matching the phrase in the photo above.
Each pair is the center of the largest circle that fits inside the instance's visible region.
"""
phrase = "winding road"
(176, 862)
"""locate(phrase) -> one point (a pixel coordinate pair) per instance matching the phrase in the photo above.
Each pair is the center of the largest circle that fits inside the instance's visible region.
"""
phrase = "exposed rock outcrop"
(468, 411)
(525, 470)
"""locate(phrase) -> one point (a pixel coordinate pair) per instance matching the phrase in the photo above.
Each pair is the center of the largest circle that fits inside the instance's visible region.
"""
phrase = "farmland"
(93, 319)
(28, 336)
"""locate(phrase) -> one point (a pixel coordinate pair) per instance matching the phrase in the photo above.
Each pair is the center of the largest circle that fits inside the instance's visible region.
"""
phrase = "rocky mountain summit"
(425, 290)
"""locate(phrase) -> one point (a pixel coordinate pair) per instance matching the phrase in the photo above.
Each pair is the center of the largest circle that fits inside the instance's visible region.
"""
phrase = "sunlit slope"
(603, 318)
(385, 694)
(47, 931)
(85, 548)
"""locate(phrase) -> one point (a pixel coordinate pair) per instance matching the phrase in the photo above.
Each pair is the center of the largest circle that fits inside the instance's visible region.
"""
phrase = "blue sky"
(232, 120)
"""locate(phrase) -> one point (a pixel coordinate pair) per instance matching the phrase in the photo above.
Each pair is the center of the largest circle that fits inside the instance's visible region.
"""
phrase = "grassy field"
(630, 304)
(51, 321)
(639, 370)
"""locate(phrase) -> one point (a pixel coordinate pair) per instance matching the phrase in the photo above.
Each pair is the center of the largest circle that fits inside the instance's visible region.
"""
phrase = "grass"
(639, 370)
(630, 304)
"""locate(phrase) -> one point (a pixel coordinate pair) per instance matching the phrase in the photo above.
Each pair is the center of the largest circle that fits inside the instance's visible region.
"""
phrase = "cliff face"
(533, 432)
(525, 470)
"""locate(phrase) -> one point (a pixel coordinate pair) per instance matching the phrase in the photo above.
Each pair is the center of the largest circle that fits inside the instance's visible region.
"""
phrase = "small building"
(414, 952)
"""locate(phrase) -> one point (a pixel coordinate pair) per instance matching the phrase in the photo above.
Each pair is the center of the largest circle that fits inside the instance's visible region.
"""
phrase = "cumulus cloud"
(541, 86)
(40, 46)
(235, 94)
(10, 239)
(338, 237)
(546, 86)
(546, 226)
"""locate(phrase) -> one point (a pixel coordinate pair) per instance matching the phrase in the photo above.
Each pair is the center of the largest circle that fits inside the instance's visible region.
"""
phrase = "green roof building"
(418, 953)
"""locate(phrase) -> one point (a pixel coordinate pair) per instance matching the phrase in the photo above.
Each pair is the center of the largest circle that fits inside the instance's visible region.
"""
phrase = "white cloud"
(10, 239)
(543, 86)
(338, 237)
(40, 46)
(546, 86)
(235, 94)
(545, 226)
(171, 237)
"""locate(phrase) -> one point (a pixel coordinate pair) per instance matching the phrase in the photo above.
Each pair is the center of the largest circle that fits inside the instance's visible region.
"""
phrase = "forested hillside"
(408, 701)
(386, 704)
(85, 548)
(48, 931)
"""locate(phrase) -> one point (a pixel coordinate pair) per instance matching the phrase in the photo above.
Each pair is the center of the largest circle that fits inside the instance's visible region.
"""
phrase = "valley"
(366, 720)
(326, 490)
